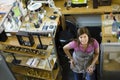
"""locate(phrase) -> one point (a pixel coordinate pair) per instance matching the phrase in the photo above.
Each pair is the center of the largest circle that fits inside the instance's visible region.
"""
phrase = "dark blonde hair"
(84, 30)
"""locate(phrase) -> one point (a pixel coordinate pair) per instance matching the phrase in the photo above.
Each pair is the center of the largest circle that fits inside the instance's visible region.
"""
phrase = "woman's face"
(83, 39)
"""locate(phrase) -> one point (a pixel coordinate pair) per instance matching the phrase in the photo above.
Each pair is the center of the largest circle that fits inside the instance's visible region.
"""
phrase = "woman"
(85, 55)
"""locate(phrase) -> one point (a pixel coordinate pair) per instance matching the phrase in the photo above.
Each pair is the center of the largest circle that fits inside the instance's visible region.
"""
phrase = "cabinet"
(110, 61)
(35, 63)
(110, 50)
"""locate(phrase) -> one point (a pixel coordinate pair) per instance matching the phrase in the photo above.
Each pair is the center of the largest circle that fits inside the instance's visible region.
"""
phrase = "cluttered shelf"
(34, 62)
(43, 26)
(12, 40)
(82, 10)
(12, 45)
(29, 35)
(36, 73)
(110, 32)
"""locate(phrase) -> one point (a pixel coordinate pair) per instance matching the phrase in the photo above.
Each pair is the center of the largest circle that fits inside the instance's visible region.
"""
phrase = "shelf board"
(40, 53)
(12, 40)
(24, 60)
(14, 47)
(35, 72)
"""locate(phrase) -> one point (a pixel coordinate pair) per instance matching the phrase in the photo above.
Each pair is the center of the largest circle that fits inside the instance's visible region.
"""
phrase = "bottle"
(114, 26)
(68, 4)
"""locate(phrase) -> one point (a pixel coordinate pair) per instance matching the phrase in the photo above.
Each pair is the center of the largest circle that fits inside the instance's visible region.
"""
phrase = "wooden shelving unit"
(46, 66)
(24, 53)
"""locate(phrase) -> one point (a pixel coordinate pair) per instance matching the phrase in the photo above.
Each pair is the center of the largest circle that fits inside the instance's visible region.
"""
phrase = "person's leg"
(78, 76)
(90, 76)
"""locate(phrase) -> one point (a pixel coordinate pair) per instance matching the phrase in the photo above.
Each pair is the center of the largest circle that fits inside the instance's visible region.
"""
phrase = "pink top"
(90, 48)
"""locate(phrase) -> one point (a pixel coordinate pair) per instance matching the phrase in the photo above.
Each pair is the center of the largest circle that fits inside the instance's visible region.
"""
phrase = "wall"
(86, 20)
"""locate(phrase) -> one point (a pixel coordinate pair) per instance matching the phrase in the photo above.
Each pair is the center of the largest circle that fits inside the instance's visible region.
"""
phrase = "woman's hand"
(90, 69)
(72, 62)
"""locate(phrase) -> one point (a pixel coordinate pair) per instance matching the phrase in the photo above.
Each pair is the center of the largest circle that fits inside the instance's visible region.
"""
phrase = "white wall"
(86, 20)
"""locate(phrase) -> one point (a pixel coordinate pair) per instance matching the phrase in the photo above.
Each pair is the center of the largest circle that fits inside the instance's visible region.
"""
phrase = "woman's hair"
(81, 31)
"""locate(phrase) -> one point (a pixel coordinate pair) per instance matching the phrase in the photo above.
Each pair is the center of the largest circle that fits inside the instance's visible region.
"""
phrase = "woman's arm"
(66, 49)
(96, 55)
(90, 69)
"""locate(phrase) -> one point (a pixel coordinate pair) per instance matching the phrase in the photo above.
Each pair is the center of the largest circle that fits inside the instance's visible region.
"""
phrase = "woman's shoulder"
(95, 42)
(73, 43)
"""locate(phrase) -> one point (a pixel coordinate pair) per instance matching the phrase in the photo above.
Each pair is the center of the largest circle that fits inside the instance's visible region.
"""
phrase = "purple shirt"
(90, 48)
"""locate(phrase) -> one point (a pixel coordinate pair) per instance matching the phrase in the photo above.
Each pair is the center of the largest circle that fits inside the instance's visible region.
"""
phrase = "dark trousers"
(78, 76)
(81, 76)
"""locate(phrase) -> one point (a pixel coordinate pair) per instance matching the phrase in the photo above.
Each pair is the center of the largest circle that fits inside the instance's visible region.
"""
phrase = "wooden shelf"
(107, 29)
(47, 66)
(82, 10)
(25, 53)
(36, 73)
(14, 47)
(12, 40)
(37, 53)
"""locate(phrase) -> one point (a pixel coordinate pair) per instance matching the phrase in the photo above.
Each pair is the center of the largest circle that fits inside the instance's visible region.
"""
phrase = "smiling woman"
(82, 61)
